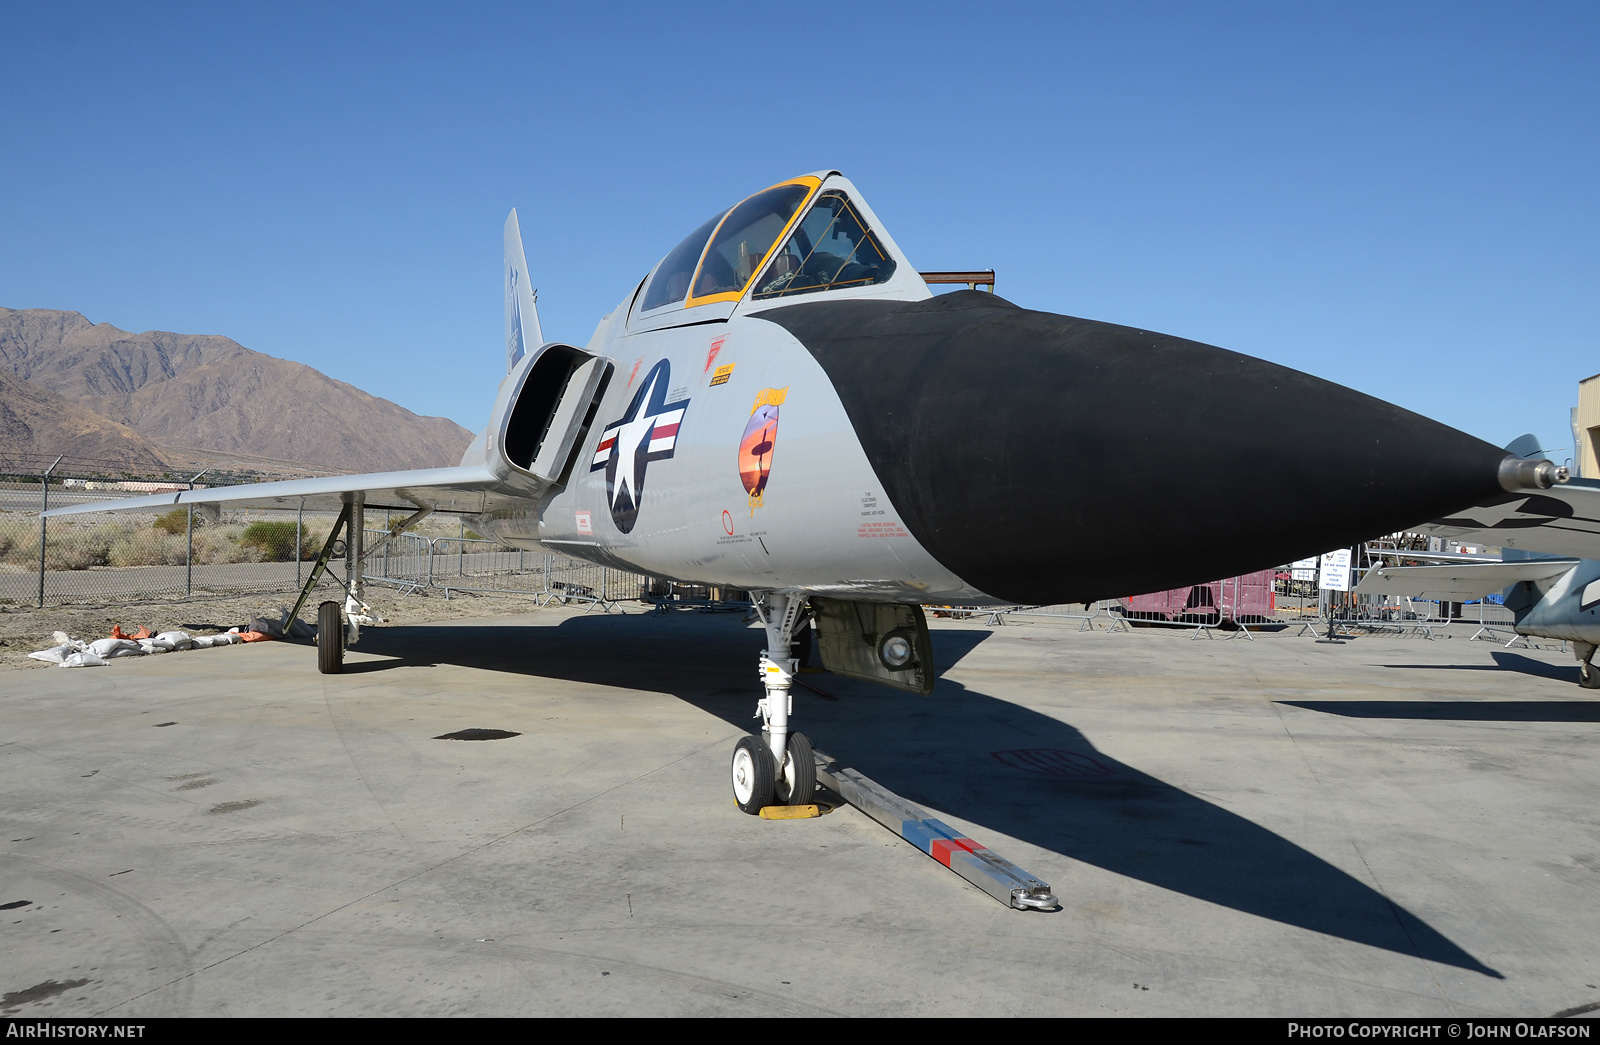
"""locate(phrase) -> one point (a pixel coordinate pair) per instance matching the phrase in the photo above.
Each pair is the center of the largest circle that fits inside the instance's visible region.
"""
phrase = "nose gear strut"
(791, 777)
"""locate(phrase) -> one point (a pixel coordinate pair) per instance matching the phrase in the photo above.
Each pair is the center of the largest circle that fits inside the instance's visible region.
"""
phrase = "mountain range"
(117, 401)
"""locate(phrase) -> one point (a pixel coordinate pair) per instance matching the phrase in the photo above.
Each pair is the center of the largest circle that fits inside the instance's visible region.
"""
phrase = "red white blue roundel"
(647, 432)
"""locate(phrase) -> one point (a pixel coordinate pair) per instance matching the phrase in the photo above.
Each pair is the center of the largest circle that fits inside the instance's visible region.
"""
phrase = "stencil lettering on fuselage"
(647, 432)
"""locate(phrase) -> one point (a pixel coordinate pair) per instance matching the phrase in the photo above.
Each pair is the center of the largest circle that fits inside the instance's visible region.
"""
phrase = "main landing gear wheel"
(330, 639)
(752, 774)
(1588, 676)
(797, 784)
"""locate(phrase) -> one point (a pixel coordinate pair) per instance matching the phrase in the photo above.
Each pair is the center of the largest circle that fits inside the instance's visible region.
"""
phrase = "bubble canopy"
(744, 238)
(717, 261)
(672, 276)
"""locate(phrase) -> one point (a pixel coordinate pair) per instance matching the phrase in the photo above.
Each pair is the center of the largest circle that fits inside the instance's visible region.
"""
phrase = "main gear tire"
(330, 639)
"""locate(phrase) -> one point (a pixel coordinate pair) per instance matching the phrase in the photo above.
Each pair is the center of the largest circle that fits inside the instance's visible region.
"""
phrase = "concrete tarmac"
(1381, 827)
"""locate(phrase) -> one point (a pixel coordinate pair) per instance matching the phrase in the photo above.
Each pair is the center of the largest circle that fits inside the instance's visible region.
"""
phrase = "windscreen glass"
(830, 248)
(744, 239)
(671, 281)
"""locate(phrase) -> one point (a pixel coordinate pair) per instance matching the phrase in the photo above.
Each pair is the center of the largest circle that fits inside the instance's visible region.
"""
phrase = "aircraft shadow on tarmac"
(1504, 661)
(1472, 710)
(965, 753)
(1458, 710)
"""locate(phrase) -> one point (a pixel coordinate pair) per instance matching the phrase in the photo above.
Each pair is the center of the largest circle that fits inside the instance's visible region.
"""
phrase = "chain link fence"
(103, 558)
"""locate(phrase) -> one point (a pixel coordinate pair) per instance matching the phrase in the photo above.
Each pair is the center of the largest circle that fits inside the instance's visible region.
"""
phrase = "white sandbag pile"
(75, 653)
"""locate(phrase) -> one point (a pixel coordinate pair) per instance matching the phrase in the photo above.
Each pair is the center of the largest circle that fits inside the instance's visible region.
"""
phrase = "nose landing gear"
(778, 764)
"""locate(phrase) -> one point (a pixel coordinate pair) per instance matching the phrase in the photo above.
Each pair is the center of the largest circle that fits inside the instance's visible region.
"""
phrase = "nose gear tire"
(797, 784)
(753, 773)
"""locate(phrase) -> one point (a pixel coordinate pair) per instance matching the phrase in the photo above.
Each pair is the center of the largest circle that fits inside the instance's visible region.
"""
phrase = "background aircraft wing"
(465, 488)
(1406, 553)
(1563, 520)
(1460, 581)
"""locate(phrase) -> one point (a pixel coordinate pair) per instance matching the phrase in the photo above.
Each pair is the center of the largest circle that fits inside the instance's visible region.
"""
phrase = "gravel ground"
(25, 629)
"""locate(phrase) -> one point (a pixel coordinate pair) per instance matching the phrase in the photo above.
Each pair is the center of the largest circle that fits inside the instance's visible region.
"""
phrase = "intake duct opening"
(537, 400)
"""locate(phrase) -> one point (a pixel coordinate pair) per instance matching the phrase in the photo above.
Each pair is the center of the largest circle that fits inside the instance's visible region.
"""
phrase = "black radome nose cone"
(1049, 459)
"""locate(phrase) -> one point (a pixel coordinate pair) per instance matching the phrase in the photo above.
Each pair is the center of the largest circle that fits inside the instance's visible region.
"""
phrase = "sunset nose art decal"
(757, 445)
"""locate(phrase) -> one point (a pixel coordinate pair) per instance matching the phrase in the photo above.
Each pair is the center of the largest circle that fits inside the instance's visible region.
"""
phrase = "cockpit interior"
(794, 238)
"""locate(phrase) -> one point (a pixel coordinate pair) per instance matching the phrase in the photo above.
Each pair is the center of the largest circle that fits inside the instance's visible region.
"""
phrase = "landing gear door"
(882, 642)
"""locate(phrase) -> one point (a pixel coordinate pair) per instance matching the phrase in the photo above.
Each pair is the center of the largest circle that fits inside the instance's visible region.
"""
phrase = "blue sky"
(1401, 198)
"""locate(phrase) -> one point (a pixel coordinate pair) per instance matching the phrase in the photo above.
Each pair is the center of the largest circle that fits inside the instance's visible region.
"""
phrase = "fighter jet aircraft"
(781, 406)
(1551, 592)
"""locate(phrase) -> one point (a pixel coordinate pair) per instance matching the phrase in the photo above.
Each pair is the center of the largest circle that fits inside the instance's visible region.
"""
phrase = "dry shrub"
(174, 522)
(84, 542)
(19, 539)
(150, 547)
(275, 541)
(24, 554)
(82, 547)
(216, 545)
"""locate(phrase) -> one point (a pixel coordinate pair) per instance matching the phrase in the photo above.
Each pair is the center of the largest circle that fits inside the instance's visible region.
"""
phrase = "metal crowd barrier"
(1095, 615)
(1350, 613)
(473, 565)
(701, 598)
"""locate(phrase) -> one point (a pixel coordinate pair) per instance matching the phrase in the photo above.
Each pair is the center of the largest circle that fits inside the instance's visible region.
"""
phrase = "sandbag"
(270, 628)
(84, 659)
(53, 655)
(109, 648)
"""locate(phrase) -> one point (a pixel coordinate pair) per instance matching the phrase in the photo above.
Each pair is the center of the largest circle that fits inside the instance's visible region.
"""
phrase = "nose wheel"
(796, 785)
(758, 783)
(753, 775)
(779, 764)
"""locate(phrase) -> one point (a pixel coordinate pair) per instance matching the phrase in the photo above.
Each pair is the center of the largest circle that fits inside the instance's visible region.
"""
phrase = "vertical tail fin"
(1524, 446)
(522, 313)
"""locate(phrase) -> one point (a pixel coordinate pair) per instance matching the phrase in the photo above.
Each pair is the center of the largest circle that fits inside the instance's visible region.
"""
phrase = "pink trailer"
(1248, 598)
